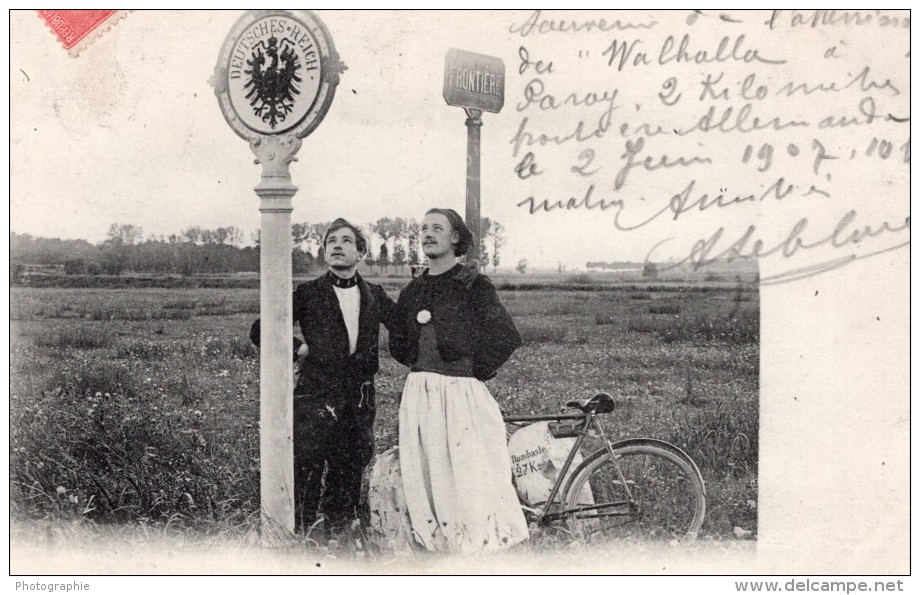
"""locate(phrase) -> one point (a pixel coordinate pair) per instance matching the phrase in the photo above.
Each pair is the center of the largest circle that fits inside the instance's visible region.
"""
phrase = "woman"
(452, 448)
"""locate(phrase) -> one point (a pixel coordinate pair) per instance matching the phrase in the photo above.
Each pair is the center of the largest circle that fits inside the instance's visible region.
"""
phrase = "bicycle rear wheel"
(665, 500)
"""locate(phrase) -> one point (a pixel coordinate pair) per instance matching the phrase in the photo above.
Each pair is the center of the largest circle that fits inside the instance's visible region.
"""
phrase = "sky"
(129, 131)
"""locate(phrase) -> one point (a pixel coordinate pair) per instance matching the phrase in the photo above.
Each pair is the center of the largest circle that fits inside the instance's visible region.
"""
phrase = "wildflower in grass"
(61, 490)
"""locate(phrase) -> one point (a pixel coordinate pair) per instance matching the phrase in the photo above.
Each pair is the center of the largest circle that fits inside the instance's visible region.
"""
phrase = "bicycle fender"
(661, 444)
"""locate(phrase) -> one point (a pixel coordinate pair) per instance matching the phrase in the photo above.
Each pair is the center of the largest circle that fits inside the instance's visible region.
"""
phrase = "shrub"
(180, 304)
(240, 348)
(546, 304)
(121, 460)
(722, 440)
(186, 387)
(743, 328)
(542, 334)
(94, 377)
(74, 266)
(98, 448)
(690, 397)
(601, 318)
(82, 337)
(644, 325)
(545, 333)
(580, 279)
(225, 308)
(106, 312)
(141, 349)
(664, 309)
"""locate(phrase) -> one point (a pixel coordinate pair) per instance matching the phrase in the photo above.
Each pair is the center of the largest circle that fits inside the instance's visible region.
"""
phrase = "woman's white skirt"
(456, 471)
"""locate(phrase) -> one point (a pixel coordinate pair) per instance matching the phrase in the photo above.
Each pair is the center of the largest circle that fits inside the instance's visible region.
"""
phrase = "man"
(339, 316)
(452, 450)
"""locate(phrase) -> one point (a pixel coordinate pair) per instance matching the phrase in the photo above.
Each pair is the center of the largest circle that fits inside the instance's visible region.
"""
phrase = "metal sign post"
(473, 220)
(275, 80)
(475, 82)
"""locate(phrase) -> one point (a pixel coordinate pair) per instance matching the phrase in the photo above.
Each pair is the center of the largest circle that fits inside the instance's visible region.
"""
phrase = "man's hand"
(467, 274)
(302, 352)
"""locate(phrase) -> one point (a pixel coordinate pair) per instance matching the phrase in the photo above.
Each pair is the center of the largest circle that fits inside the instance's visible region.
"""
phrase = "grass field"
(139, 407)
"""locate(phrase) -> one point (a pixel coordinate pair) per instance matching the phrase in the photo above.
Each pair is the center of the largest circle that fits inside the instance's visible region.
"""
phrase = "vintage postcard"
(703, 214)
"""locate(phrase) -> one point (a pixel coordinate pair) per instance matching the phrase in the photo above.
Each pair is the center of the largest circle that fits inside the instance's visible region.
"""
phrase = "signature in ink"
(845, 234)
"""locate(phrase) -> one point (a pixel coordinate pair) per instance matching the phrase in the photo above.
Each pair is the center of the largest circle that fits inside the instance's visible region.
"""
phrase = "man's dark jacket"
(334, 404)
(328, 366)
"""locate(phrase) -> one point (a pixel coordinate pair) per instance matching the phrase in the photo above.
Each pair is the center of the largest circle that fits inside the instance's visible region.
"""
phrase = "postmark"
(77, 29)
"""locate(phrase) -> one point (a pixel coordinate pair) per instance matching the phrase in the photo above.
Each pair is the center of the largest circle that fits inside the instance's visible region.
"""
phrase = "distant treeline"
(123, 252)
(614, 266)
(392, 242)
(713, 269)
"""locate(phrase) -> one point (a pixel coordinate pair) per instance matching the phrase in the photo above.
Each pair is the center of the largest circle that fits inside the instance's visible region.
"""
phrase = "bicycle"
(639, 488)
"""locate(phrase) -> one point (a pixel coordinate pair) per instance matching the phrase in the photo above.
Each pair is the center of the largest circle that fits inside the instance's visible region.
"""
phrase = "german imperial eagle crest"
(272, 87)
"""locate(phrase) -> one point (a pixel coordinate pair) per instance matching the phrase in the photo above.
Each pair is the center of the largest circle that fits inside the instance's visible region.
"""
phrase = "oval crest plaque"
(277, 73)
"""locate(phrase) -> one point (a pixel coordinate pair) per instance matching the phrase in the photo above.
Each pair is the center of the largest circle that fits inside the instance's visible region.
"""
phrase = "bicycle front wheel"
(662, 499)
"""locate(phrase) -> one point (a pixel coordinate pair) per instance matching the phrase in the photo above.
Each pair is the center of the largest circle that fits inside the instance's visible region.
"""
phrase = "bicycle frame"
(590, 418)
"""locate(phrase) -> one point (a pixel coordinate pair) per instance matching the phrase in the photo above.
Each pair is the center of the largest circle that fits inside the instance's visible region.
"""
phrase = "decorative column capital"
(473, 116)
(275, 154)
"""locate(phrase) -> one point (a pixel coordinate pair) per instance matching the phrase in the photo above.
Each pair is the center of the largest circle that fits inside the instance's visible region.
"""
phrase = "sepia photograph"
(529, 291)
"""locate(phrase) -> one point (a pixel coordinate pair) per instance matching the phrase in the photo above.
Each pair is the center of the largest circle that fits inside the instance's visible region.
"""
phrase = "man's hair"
(360, 242)
(456, 222)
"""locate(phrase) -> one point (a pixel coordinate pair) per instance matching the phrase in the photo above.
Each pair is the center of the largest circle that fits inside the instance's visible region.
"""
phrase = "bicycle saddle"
(599, 403)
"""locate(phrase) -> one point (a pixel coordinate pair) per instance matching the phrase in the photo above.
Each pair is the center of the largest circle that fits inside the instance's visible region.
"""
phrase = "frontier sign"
(474, 81)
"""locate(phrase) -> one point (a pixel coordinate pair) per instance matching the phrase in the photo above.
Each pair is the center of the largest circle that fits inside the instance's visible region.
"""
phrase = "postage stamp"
(77, 29)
